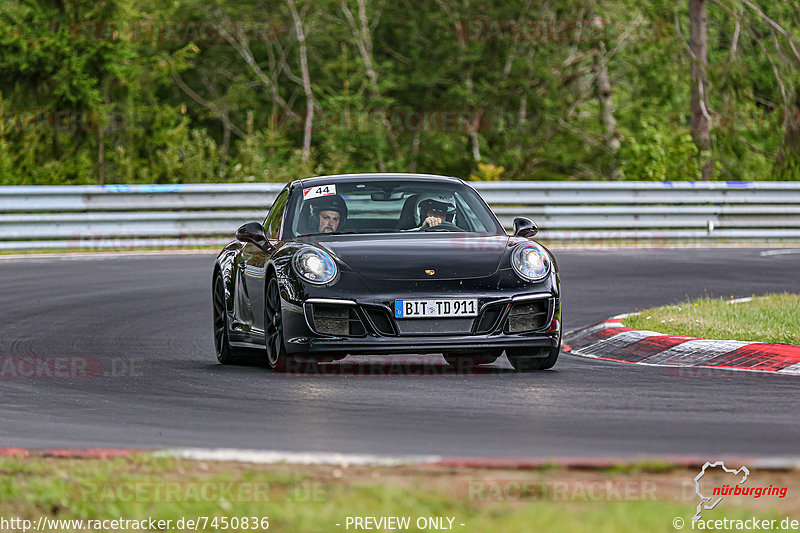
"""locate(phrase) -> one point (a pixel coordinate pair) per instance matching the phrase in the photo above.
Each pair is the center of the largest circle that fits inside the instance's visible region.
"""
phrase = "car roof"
(375, 176)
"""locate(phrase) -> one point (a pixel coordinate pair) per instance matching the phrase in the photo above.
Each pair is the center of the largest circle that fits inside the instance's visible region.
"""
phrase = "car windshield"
(382, 206)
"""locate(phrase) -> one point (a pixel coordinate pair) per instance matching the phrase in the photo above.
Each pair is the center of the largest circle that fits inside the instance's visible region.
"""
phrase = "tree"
(701, 113)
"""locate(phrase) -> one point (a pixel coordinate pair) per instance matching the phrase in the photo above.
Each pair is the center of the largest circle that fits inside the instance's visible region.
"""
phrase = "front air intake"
(381, 320)
(489, 318)
(528, 316)
(336, 319)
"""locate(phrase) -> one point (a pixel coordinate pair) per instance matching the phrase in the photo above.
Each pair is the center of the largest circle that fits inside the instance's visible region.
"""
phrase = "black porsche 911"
(376, 264)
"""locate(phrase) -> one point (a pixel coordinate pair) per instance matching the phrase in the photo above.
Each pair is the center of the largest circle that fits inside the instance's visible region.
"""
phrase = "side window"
(465, 216)
(273, 223)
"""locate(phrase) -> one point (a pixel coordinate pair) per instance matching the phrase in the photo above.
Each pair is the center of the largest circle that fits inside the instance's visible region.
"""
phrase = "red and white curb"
(347, 459)
(611, 341)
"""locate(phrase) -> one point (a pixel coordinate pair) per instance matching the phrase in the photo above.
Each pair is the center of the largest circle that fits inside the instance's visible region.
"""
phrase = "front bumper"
(490, 330)
(374, 345)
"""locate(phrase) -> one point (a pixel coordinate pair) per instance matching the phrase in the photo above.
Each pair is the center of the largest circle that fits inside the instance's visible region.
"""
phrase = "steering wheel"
(444, 226)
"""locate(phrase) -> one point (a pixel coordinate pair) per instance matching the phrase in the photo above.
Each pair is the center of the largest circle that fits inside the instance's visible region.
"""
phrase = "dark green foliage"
(124, 91)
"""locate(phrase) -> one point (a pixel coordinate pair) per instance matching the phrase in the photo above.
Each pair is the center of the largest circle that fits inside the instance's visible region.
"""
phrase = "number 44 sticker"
(316, 192)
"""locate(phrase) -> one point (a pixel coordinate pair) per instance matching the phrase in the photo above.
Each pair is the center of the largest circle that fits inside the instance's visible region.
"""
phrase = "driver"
(433, 213)
(328, 214)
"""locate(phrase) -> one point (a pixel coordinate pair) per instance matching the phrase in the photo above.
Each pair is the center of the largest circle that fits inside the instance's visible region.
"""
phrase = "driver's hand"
(432, 221)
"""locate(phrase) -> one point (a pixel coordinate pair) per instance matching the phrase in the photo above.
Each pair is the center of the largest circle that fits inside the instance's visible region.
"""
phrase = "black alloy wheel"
(221, 345)
(273, 324)
(466, 360)
(529, 360)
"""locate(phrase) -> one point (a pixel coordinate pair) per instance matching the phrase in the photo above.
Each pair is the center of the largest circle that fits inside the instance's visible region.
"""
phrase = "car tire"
(529, 360)
(226, 355)
(466, 360)
(277, 358)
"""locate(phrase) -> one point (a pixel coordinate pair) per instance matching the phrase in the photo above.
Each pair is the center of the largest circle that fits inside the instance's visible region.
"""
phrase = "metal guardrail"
(135, 216)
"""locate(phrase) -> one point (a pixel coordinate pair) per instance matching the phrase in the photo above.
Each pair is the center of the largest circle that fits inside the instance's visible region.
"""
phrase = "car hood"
(414, 257)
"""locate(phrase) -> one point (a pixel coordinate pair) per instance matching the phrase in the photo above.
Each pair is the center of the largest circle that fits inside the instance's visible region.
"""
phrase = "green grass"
(309, 499)
(771, 318)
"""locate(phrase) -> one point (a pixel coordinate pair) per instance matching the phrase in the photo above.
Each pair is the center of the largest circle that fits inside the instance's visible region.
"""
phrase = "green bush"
(659, 154)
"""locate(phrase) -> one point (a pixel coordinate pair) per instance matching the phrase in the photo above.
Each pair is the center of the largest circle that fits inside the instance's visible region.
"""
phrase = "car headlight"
(315, 266)
(531, 261)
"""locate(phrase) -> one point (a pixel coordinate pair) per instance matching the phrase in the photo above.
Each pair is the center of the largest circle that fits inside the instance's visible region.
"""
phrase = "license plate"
(435, 308)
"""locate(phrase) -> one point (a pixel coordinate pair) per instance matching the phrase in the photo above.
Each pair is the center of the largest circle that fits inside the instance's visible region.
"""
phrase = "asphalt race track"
(146, 320)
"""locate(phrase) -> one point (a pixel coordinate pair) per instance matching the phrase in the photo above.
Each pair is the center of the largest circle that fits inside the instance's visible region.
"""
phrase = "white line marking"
(793, 369)
(775, 463)
(297, 458)
(624, 315)
(591, 329)
(767, 253)
(741, 300)
(226, 454)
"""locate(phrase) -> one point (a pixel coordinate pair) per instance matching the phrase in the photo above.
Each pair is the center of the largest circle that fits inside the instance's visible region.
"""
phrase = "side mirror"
(253, 232)
(525, 227)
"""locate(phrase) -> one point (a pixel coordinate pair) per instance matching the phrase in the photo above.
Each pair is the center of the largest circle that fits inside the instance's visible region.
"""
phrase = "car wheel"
(223, 348)
(528, 360)
(277, 357)
(466, 360)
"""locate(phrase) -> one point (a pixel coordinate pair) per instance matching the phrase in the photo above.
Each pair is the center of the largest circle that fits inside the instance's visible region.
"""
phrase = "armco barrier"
(114, 216)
